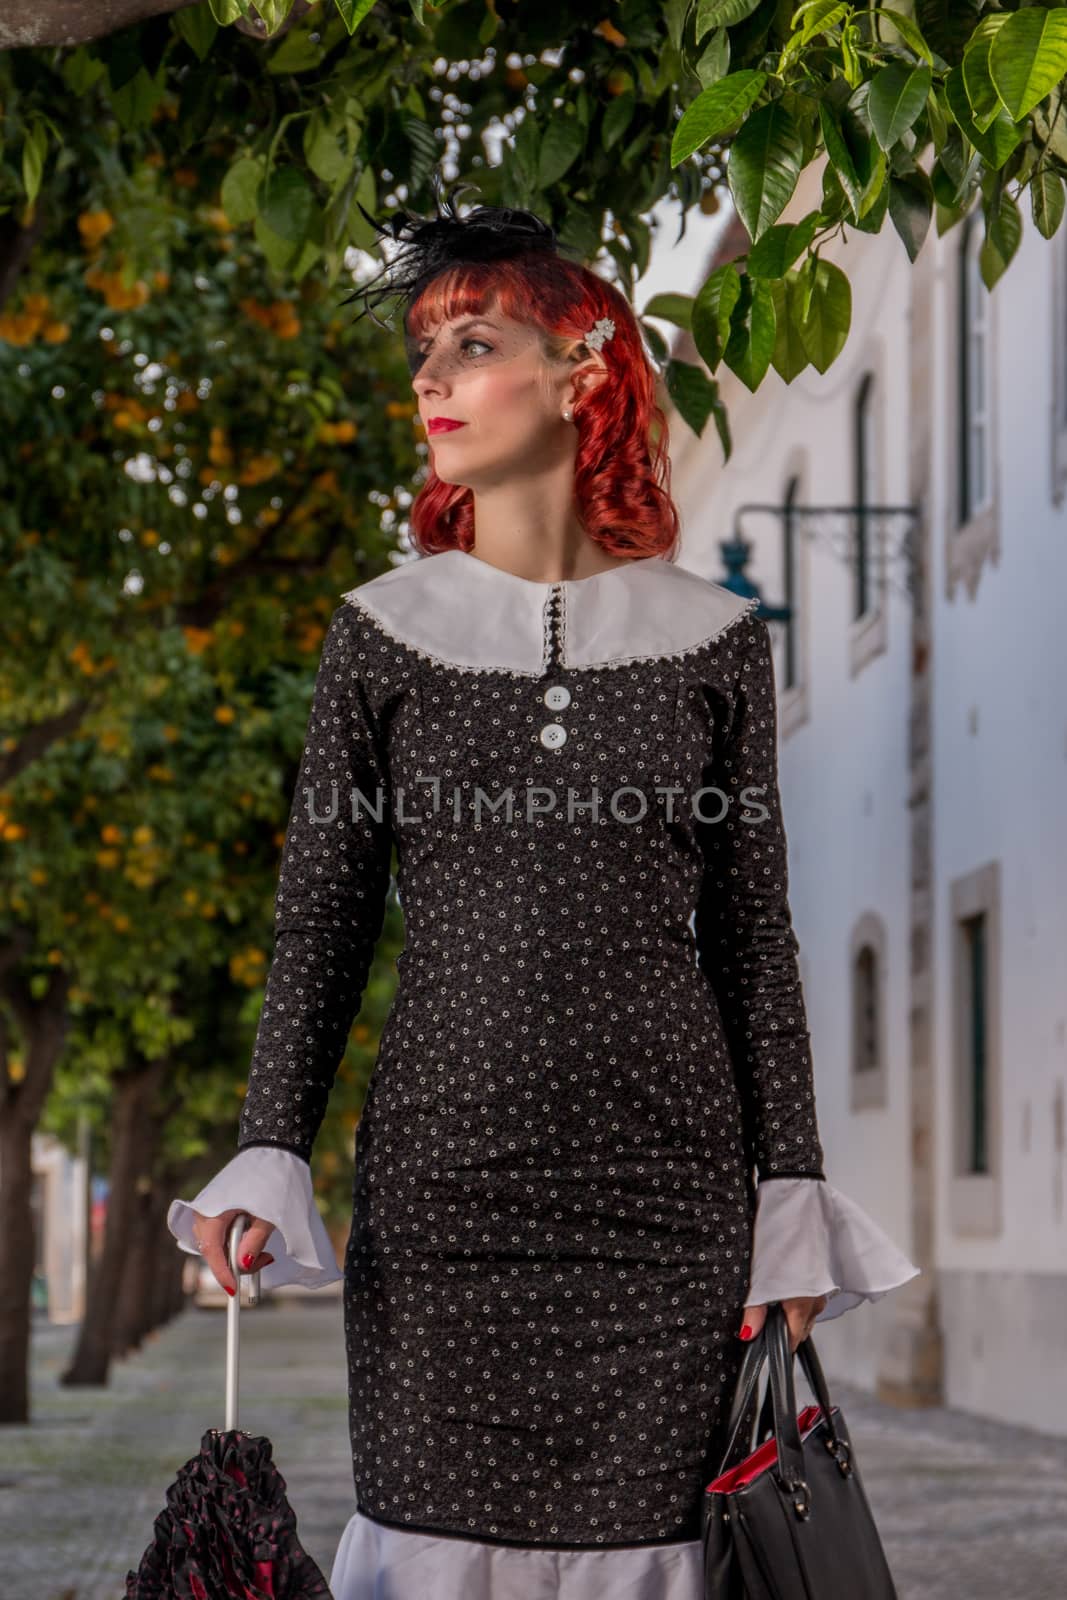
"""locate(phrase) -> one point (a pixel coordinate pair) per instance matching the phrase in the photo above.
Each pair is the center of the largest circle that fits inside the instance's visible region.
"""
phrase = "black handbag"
(791, 1521)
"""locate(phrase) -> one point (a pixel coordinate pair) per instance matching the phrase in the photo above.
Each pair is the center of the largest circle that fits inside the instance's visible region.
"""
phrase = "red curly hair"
(622, 468)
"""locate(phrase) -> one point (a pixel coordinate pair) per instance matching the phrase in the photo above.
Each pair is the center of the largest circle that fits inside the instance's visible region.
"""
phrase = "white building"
(924, 774)
(59, 1200)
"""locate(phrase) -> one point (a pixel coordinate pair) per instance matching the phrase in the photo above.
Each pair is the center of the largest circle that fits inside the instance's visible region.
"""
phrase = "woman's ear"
(586, 376)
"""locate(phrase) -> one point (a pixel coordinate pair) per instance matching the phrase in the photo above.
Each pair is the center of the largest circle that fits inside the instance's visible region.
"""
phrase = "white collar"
(460, 611)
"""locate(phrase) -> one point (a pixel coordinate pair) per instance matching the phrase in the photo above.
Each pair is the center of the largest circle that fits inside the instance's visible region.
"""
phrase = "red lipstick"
(443, 425)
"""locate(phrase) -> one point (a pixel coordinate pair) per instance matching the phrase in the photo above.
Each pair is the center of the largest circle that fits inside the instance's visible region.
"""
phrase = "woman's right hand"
(212, 1231)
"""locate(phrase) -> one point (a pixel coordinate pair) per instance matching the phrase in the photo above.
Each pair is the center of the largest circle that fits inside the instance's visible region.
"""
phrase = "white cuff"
(810, 1239)
(274, 1184)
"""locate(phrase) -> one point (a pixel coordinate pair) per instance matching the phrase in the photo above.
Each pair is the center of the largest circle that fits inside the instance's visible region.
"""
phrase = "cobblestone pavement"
(968, 1510)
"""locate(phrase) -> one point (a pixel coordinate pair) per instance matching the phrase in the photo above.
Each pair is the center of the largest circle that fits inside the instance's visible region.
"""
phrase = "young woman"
(598, 1037)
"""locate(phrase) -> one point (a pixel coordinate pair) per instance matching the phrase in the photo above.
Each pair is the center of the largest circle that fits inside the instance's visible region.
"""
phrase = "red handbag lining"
(763, 1458)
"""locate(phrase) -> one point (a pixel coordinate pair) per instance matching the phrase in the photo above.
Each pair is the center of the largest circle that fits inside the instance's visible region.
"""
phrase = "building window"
(864, 490)
(975, 1120)
(975, 483)
(790, 584)
(869, 1066)
(976, 1065)
(865, 992)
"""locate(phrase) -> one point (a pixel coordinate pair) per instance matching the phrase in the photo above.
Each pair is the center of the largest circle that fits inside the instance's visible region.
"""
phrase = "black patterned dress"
(598, 1040)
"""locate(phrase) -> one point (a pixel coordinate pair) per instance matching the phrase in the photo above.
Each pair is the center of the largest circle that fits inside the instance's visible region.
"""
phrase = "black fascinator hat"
(431, 245)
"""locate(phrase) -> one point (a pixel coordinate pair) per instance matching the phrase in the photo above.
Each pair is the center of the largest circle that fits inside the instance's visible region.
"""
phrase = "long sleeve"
(743, 926)
(329, 907)
(328, 914)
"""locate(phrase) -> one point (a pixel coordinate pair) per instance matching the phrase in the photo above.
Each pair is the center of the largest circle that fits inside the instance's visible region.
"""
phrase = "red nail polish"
(746, 1332)
(229, 1291)
(246, 1261)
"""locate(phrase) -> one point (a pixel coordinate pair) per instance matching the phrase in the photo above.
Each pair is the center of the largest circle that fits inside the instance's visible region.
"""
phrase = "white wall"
(999, 763)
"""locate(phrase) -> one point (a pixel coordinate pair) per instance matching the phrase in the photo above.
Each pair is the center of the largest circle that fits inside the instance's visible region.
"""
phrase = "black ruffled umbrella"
(228, 1531)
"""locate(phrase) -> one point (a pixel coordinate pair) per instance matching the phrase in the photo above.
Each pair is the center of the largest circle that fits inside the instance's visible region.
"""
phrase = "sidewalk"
(966, 1508)
(81, 1486)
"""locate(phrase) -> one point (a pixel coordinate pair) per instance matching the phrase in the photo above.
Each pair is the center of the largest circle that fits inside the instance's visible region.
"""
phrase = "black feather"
(431, 245)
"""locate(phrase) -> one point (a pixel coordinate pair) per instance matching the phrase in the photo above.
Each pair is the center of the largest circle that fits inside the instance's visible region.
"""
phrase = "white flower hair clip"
(600, 334)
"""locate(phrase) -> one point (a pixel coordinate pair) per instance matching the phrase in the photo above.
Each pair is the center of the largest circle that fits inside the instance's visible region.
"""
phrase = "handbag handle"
(772, 1344)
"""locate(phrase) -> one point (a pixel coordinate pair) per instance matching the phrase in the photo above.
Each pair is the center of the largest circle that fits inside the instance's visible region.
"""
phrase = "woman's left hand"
(800, 1315)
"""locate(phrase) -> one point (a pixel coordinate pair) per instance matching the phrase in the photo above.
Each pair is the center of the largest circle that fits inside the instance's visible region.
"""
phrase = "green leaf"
(897, 96)
(713, 309)
(322, 149)
(876, 199)
(34, 149)
(197, 27)
(80, 70)
(995, 143)
(693, 393)
(909, 31)
(298, 51)
(656, 343)
(722, 423)
(1003, 236)
(1028, 58)
(911, 205)
(948, 25)
(280, 252)
(286, 204)
(714, 111)
(562, 143)
(1046, 201)
(982, 95)
(1005, 228)
(751, 343)
(240, 186)
(135, 102)
(714, 62)
(826, 312)
(674, 15)
(780, 246)
(617, 118)
(227, 11)
(676, 308)
(819, 16)
(840, 156)
(765, 162)
(790, 357)
(353, 12)
(722, 14)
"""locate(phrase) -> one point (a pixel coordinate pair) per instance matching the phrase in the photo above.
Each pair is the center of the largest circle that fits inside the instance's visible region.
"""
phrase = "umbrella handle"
(233, 1312)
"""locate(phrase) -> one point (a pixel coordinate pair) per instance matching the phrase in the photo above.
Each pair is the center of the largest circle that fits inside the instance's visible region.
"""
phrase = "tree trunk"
(134, 1095)
(132, 1317)
(16, 1268)
(42, 1024)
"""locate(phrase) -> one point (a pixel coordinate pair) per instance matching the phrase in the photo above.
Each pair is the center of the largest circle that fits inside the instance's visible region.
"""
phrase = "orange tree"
(190, 504)
(289, 113)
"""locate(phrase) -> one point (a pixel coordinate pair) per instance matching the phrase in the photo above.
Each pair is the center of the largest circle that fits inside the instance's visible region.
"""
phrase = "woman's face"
(490, 375)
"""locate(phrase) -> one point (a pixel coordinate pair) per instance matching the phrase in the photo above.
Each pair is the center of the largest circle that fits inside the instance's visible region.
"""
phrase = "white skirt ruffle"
(376, 1562)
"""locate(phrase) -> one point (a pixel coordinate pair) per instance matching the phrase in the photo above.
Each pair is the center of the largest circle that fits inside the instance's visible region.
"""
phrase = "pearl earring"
(567, 416)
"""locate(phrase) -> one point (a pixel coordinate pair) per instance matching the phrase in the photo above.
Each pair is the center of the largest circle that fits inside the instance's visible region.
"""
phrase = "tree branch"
(26, 24)
(42, 735)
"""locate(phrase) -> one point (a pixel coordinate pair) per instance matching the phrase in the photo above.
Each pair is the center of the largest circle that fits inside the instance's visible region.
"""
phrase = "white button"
(553, 734)
(557, 698)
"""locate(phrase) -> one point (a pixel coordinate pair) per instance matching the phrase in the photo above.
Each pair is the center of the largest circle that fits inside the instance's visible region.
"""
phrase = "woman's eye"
(419, 356)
